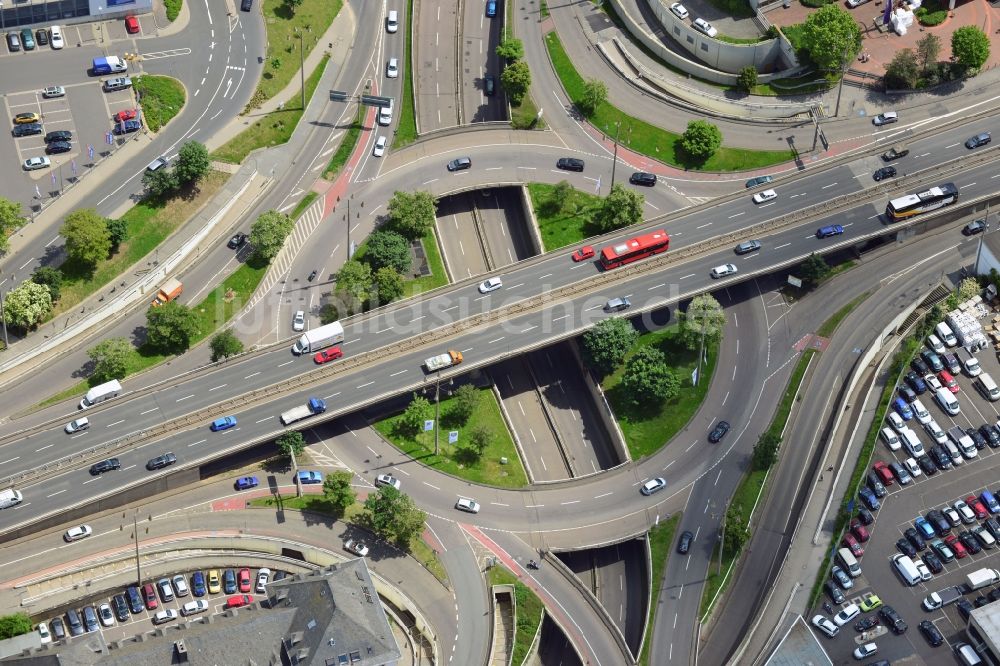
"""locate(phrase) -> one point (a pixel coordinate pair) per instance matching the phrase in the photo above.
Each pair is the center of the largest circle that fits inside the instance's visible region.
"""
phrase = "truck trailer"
(170, 290)
(109, 65)
(982, 578)
(100, 393)
(442, 361)
(319, 338)
(314, 406)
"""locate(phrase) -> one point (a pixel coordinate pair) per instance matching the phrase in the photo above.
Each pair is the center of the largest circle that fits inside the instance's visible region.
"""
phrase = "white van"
(10, 497)
(988, 387)
(953, 452)
(969, 363)
(934, 342)
(385, 114)
(934, 430)
(849, 561)
(392, 21)
(967, 654)
(907, 570)
(890, 439)
(920, 412)
(943, 331)
(912, 443)
(947, 400)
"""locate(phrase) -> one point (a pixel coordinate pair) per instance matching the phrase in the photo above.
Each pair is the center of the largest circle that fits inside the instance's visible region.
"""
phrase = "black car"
(980, 601)
(876, 484)
(746, 247)
(720, 430)
(159, 462)
(941, 457)
(893, 620)
(915, 539)
(246, 5)
(58, 147)
(74, 622)
(993, 527)
(990, 434)
(931, 633)
(569, 164)
(974, 227)
(460, 164)
(977, 439)
(937, 520)
(834, 592)
(90, 618)
(927, 465)
(105, 466)
(980, 139)
(489, 85)
(906, 548)
(964, 608)
(312, 276)
(895, 153)
(57, 628)
(684, 544)
(933, 562)
(916, 382)
(884, 172)
(134, 599)
(120, 607)
(27, 129)
(993, 595)
(237, 241)
(642, 178)
(866, 624)
(758, 181)
(970, 542)
(906, 393)
(919, 365)
(42, 37)
(865, 516)
(59, 135)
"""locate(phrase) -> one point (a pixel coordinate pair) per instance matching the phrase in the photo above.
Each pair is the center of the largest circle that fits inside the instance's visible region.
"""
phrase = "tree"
(117, 232)
(27, 305)
(411, 214)
(701, 139)
(292, 6)
(928, 49)
(903, 71)
(393, 516)
(735, 534)
(814, 269)
(291, 444)
(595, 93)
(354, 285)
(51, 278)
(388, 248)
(160, 183)
(337, 490)
(606, 344)
(192, 162)
(268, 234)
(647, 380)
(411, 422)
(704, 319)
(87, 237)
(968, 288)
(480, 438)
(511, 48)
(621, 208)
(970, 46)
(516, 78)
(388, 285)
(10, 219)
(832, 37)
(170, 327)
(14, 625)
(463, 403)
(225, 344)
(765, 451)
(747, 79)
(110, 359)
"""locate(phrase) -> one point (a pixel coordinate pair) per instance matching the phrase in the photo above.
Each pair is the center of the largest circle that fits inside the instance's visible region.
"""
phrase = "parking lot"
(899, 508)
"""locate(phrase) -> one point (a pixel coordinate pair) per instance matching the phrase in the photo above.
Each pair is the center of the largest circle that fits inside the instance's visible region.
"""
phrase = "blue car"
(310, 476)
(246, 482)
(829, 230)
(925, 528)
(902, 409)
(491, 8)
(990, 501)
(128, 127)
(229, 582)
(869, 498)
(225, 423)
(198, 588)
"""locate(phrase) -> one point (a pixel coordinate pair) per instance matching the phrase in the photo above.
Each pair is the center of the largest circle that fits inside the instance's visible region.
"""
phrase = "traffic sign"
(338, 96)
(373, 100)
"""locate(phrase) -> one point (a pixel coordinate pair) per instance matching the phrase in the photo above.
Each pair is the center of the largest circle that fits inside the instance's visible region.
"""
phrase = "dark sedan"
(105, 466)
(237, 241)
(720, 430)
(59, 135)
(974, 227)
(884, 172)
(58, 147)
(684, 544)
(28, 129)
(569, 164)
(642, 178)
(931, 633)
(159, 462)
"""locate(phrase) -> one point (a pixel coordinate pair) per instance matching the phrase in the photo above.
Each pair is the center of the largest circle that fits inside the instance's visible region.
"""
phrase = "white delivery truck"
(100, 393)
(9, 498)
(319, 338)
(314, 406)
(982, 578)
(942, 598)
(442, 361)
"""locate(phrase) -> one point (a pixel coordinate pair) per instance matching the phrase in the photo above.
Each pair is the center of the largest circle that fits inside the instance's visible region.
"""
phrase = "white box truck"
(942, 598)
(319, 338)
(982, 578)
(10, 497)
(100, 393)
(314, 406)
(442, 361)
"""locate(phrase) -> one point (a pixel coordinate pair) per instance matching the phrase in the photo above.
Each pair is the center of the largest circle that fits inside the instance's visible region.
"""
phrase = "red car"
(977, 505)
(239, 600)
(331, 354)
(585, 252)
(149, 596)
(884, 473)
(131, 25)
(125, 114)
(850, 542)
(244, 579)
(948, 381)
(859, 531)
(956, 546)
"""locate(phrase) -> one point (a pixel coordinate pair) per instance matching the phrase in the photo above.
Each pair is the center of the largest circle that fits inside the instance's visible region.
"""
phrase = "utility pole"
(843, 75)
(701, 347)
(437, 411)
(3, 318)
(979, 249)
(302, 70)
(722, 538)
(135, 531)
(614, 163)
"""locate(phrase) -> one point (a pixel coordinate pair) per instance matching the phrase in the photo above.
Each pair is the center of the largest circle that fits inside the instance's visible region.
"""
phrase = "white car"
(922, 569)
(723, 270)
(107, 617)
(76, 425)
(865, 651)
(885, 118)
(855, 3)
(43, 633)
(392, 68)
(180, 586)
(55, 37)
(933, 383)
(766, 195)
(357, 547)
(846, 614)
(379, 149)
(896, 421)
(952, 515)
(679, 10)
(491, 284)
(705, 27)
(912, 467)
(53, 91)
(167, 615)
(299, 321)
(469, 505)
(77, 533)
(653, 485)
(934, 430)
(263, 577)
(825, 625)
(194, 607)
(387, 480)
(33, 163)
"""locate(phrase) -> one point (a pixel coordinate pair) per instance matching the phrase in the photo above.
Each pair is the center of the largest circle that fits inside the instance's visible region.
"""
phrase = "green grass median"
(529, 612)
(161, 97)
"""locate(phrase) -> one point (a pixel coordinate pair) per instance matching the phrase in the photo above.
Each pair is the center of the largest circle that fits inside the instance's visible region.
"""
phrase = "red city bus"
(634, 249)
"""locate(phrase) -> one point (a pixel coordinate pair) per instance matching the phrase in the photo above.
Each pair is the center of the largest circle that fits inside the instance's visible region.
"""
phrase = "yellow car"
(23, 118)
(870, 603)
(214, 584)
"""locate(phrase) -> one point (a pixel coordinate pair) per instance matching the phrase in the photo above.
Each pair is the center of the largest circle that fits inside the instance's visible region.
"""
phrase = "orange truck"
(168, 292)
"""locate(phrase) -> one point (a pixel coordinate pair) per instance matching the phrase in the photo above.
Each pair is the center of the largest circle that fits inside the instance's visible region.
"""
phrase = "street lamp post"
(302, 70)
(3, 319)
(979, 249)
(614, 162)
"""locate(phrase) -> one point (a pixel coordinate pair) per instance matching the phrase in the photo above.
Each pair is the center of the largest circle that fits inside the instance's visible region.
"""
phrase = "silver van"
(988, 387)
(849, 562)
